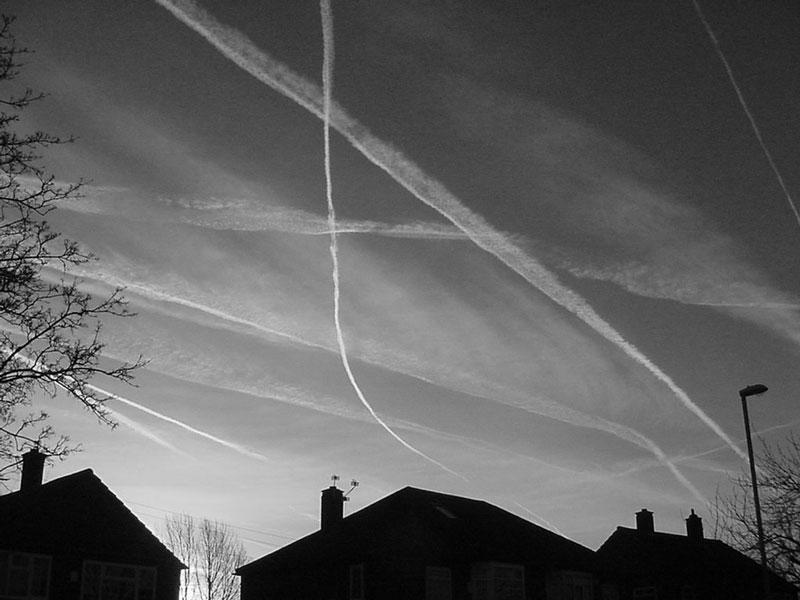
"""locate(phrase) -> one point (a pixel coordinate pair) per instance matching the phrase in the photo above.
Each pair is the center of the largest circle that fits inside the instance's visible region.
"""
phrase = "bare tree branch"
(50, 332)
(212, 551)
(779, 490)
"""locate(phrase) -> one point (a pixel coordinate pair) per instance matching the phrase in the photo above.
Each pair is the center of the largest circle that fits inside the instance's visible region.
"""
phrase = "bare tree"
(779, 491)
(49, 327)
(212, 551)
(181, 539)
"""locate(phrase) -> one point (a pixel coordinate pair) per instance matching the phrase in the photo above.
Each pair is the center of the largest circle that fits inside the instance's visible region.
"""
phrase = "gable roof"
(420, 521)
(78, 514)
(629, 550)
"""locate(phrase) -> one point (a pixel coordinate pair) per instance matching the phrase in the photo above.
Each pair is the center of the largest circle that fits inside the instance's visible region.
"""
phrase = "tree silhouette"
(779, 491)
(49, 327)
(211, 551)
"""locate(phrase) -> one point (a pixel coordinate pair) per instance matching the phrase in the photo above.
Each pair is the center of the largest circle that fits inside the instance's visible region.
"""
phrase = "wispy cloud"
(607, 217)
(247, 56)
(448, 376)
(241, 214)
(209, 373)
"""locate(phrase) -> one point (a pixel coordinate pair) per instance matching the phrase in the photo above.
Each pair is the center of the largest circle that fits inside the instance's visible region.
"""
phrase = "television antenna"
(354, 485)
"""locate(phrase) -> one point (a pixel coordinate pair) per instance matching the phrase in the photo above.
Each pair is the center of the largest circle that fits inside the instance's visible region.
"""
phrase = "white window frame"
(576, 585)
(139, 571)
(487, 573)
(6, 557)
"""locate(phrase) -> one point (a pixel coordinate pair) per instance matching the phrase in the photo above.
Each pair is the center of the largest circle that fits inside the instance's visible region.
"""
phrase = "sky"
(566, 235)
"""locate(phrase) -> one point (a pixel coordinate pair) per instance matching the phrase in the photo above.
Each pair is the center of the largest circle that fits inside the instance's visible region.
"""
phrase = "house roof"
(628, 550)
(78, 514)
(416, 522)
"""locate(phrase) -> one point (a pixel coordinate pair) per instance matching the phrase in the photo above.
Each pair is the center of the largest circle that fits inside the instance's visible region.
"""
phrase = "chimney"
(332, 507)
(644, 521)
(694, 527)
(32, 470)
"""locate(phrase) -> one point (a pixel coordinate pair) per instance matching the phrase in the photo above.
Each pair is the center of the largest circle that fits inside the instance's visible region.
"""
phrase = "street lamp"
(754, 390)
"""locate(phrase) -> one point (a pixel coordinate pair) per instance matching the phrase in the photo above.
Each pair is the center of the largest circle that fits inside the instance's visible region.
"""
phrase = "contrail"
(746, 109)
(240, 50)
(235, 217)
(236, 447)
(714, 450)
(764, 305)
(541, 519)
(144, 431)
(327, 85)
(151, 293)
(546, 408)
(641, 440)
(230, 445)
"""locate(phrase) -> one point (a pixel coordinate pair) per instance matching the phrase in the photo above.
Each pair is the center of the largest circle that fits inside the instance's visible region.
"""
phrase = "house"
(72, 538)
(642, 563)
(422, 545)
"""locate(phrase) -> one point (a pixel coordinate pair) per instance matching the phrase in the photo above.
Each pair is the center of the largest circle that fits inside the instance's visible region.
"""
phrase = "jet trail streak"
(541, 519)
(503, 396)
(746, 109)
(549, 409)
(230, 445)
(236, 447)
(144, 431)
(327, 85)
(241, 51)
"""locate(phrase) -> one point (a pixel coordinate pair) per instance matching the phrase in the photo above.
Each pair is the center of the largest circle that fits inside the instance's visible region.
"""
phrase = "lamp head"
(753, 390)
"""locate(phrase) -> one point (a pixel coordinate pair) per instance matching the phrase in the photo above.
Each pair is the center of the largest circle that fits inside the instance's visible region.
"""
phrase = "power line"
(234, 526)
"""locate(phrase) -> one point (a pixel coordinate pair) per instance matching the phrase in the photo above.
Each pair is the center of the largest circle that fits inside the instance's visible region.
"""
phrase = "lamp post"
(754, 390)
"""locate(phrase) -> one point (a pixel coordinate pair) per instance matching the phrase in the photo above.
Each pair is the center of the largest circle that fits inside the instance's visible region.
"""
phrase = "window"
(609, 591)
(109, 581)
(438, 583)
(357, 582)
(24, 576)
(498, 581)
(575, 585)
(645, 593)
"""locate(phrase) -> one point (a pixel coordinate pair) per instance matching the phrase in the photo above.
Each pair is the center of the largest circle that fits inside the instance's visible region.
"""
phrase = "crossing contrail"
(327, 85)
(746, 109)
(241, 51)
(500, 395)
(634, 437)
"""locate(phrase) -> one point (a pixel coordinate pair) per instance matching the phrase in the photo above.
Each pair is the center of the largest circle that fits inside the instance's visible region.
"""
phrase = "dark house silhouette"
(422, 545)
(72, 538)
(645, 564)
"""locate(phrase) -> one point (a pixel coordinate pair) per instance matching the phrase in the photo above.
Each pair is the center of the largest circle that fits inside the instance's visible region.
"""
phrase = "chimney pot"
(32, 470)
(332, 507)
(694, 527)
(644, 521)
